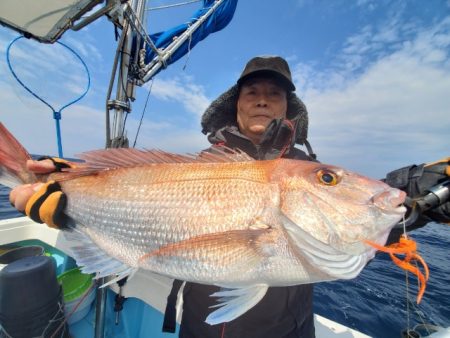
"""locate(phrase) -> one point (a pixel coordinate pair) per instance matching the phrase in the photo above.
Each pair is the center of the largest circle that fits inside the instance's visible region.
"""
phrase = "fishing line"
(417, 311)
(73, 310)
(408, 301)
(60, 312)
(404, 226)
(407, 285)
(3, 332)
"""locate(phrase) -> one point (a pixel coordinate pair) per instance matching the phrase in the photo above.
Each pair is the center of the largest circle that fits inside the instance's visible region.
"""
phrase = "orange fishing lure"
(408, 248)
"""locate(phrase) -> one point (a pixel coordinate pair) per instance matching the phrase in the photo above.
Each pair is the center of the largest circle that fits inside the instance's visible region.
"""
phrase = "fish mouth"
(390, 201)
(399, 210)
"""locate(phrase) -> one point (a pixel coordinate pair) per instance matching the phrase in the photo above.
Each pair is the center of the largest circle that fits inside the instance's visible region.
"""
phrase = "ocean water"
(375, 302)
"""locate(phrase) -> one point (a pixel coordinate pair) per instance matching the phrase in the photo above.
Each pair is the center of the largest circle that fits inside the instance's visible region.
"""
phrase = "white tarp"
(44, 20)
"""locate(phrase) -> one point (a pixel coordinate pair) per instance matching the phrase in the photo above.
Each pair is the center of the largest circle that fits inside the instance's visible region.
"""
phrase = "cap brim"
(286, 83)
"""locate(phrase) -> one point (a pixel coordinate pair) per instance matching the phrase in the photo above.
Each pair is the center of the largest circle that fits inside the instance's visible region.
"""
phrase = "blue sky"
(375, 76)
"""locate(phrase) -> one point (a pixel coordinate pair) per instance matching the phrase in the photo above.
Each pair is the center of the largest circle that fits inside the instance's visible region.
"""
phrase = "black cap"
(273, 66)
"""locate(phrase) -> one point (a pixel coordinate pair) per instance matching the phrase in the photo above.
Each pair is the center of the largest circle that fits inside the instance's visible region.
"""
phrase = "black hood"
(222, 113)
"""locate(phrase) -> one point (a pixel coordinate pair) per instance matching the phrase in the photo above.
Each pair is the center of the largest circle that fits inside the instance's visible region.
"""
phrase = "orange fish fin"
(223, 248)
(129, 157)
(408, 248)
(13, 159)
(224, 154)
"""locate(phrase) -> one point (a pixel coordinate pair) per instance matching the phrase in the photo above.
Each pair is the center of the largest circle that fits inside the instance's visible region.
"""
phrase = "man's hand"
(438, 172)
(20, 195)
(427, 187)
(42, 202)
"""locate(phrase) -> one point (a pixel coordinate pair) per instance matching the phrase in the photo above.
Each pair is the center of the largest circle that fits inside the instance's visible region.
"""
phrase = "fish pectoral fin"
(93, 259)
(235, 247)
(235, 302)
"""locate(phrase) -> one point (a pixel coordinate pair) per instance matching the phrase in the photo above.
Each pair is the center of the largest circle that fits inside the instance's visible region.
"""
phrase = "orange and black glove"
(428, 190)
(48, 203)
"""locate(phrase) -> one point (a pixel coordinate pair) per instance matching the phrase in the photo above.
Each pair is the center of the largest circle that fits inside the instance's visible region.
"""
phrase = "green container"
(75, 284)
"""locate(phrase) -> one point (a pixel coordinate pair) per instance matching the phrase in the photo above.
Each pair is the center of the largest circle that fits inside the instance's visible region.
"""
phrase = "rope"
(189, 49)
(56, 113)
(174, 5)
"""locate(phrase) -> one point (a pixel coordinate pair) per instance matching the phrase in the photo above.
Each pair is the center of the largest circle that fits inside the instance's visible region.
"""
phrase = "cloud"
(82, 127)
(85, 48)
(168, 137)
(82, 124)
(35, 63)
(393, 113)
(183, 90)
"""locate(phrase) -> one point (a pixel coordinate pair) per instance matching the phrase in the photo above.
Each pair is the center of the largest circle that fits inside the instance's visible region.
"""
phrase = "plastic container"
(78, 294)
(17, 253)
(63, 262)
(31, 298)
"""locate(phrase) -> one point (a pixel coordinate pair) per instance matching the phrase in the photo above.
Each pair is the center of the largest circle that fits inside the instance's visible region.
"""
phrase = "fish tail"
(13, 159)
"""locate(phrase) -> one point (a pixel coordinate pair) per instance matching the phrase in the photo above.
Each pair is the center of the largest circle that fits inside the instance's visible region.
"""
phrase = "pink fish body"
(221, 218)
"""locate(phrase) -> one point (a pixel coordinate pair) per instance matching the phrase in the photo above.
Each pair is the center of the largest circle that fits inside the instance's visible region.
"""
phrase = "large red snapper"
(220, 218)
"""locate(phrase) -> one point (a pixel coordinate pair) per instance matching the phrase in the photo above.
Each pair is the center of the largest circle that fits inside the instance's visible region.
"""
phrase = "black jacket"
(284, 312)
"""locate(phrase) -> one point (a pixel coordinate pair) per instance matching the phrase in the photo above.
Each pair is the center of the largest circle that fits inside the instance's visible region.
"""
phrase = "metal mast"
(118, 107)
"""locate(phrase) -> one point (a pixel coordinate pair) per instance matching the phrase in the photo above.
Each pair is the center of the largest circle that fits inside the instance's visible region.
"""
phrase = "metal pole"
(100, 307)
(124, 88)
(120, 106)
(157, 62)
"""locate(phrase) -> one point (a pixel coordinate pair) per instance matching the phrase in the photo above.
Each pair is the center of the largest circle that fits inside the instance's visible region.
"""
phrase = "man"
(262, 116)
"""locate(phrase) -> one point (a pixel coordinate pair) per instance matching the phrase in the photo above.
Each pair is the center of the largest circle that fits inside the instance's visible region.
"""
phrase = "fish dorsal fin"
(223, 154)
(97, 160)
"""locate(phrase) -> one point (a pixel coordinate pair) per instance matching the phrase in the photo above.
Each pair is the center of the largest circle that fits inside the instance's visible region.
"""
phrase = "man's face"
(260, 101)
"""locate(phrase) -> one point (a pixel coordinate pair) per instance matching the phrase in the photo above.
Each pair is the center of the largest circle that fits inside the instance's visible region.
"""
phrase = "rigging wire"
(142, 115)
(139, 28)
(173, 5)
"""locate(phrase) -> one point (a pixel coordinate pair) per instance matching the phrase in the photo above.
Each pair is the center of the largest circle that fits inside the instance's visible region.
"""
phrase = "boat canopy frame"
(46, 21)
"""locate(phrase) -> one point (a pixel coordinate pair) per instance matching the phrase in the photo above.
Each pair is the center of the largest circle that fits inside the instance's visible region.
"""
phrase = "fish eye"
(327, 177)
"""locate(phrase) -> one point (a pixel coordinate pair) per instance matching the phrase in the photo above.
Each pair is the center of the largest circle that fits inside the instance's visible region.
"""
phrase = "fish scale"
(211, 207)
